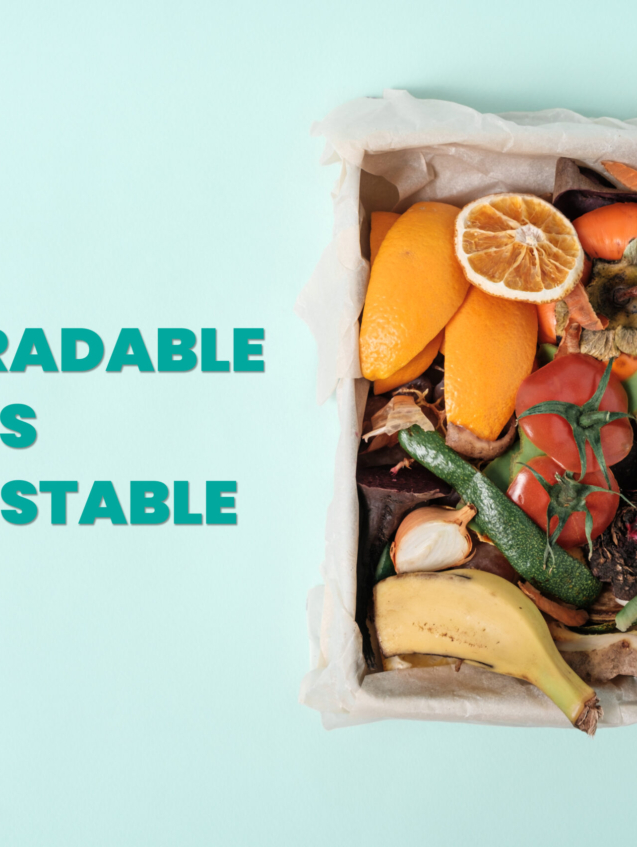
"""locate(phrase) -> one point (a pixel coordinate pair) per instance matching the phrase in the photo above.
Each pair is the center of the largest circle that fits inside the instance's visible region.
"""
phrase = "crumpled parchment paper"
(393, 152)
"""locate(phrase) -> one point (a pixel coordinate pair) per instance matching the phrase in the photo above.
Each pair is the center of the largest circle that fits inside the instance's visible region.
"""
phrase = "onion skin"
(406, 555)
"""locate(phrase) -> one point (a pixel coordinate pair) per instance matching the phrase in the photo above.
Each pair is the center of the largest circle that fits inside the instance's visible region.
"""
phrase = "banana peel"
(483, 620)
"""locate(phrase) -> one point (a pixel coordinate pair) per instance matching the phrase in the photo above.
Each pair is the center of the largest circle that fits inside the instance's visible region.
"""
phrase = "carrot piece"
(623, 173)
(625, 366)
(546, 323)
(564, 614)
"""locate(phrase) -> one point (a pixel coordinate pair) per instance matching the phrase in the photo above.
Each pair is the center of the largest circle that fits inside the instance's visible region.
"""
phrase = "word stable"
(147, 502)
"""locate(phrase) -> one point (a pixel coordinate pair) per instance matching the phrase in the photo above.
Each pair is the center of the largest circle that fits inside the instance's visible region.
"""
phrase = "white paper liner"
(395, 151)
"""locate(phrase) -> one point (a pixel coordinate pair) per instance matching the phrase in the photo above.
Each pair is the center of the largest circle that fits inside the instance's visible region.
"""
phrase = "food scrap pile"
(497, 471)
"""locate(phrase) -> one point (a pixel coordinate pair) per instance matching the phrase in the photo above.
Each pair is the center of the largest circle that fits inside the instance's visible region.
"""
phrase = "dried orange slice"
(519, 247)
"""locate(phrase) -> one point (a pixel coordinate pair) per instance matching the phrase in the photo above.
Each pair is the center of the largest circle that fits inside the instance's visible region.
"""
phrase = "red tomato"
(528, 494)
(573, 379)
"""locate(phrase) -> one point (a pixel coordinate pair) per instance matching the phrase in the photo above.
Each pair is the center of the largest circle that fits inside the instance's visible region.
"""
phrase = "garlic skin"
(432, 539)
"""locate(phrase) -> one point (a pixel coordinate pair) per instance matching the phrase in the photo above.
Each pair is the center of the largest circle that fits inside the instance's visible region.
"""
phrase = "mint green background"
(156, 170)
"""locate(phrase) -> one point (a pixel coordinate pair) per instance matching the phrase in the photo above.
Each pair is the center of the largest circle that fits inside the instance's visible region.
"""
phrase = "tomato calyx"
(567, 496)
(586, 421)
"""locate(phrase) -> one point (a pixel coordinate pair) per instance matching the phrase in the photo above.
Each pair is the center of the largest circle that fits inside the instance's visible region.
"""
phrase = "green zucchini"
(515, 534)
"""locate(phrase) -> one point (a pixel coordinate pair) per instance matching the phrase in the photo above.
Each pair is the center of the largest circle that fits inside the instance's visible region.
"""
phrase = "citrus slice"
(519, 247)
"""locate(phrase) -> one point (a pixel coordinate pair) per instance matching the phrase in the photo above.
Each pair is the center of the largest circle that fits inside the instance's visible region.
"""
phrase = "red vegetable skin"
(527, 493)
(573, 379)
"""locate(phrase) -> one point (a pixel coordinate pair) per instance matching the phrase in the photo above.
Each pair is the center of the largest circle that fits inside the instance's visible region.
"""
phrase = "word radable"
(175, 351)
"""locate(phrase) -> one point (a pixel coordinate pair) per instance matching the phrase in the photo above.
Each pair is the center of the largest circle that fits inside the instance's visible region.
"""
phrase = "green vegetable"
(521, 541)
(503, 470)
(630, 386)
(385, 566)
(546, 354)
(627, 617)
(596, 628)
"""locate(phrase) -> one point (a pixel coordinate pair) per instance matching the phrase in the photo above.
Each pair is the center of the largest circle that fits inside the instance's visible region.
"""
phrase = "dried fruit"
(519, 247)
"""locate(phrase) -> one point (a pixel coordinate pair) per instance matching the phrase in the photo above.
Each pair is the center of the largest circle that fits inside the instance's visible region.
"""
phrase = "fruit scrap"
(490, 346)
(571, 512)
(605, 232)
(415, 286)
(519, 247)
(413, 369)
(575, 411)
(483, 620)
(381, 223)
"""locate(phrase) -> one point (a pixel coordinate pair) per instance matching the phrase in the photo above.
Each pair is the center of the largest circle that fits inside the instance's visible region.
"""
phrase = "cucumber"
(515, 534)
